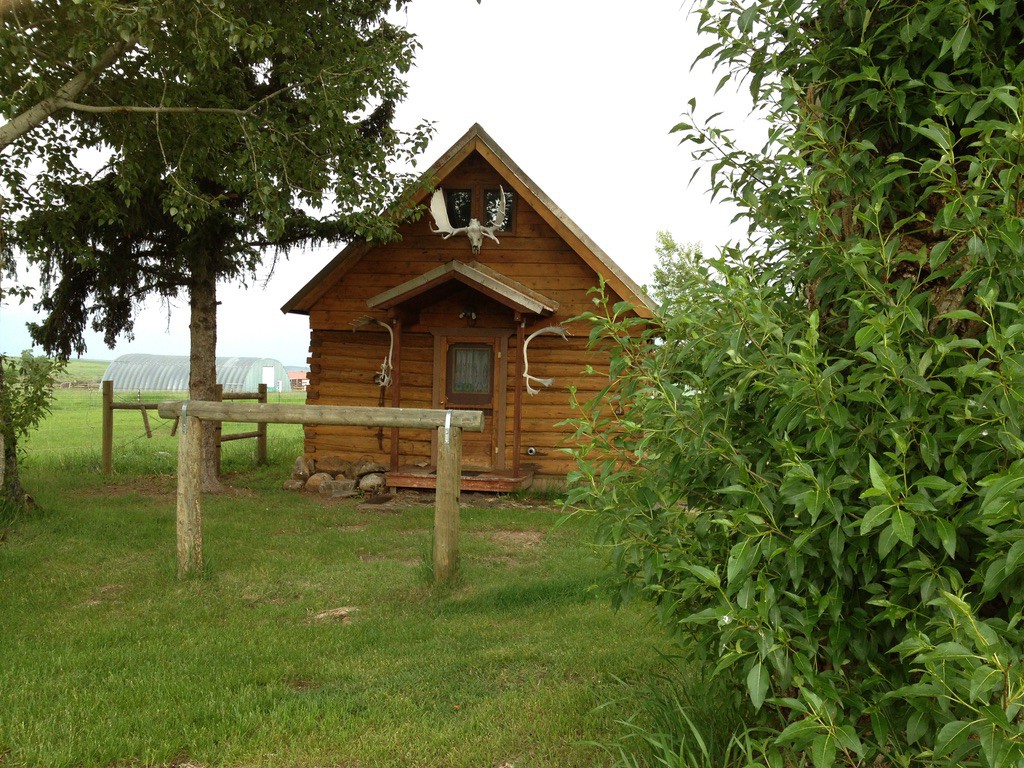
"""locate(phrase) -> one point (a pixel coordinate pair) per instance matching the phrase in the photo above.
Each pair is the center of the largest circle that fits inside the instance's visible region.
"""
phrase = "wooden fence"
(109, 406)
(449, 425)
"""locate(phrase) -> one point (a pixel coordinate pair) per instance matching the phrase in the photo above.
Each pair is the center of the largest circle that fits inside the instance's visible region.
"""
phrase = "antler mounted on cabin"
(383, 377)
(475, 231)
(556, 330)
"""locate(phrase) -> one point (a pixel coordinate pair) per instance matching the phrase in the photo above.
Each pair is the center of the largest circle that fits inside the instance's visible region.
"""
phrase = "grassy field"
(84, 371)
(70, 437)
(109, 660)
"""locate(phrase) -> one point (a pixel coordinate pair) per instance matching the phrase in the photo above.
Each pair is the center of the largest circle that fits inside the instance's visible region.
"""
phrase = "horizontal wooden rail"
(134, 406)
(242, 395)
(449, 425)
(109, 406)
(338, 415)
(239, 436)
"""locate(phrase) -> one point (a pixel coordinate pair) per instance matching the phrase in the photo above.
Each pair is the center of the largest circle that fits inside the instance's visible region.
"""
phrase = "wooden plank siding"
(342, 360)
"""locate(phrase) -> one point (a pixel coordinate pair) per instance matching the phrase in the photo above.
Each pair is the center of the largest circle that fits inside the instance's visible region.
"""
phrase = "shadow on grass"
(566, 590)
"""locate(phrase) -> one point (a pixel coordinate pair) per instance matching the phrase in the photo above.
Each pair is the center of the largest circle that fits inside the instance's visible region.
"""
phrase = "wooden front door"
(470, 374)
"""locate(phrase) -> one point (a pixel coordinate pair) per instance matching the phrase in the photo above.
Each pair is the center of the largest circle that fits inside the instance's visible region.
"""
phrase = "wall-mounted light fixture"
(468, 314)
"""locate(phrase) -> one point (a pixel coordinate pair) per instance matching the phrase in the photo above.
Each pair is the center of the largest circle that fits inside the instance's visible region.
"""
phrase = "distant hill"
(82, 372)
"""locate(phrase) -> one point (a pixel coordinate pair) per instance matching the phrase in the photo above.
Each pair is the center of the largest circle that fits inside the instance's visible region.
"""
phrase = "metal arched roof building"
(153, 373)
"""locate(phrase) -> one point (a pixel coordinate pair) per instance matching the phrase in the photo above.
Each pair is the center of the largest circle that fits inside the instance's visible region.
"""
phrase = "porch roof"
(487, 281)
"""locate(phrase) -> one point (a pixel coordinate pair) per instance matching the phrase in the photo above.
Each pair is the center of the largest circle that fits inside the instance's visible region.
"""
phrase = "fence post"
(189, 515)
(261, 428)
(446, 503)
(108, 427)
(218, 427)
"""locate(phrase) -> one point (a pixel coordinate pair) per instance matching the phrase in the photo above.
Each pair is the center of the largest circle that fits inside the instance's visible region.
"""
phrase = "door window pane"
(470, 373)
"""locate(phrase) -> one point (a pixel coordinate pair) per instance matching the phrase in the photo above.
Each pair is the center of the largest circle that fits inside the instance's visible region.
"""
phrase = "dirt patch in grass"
(350, 527)
(108, 593)
(407, 499)
(483, 500)
(373, 557)
(162, 487)
(527, 539)
(159, 486)
(500, 560)
(343, 615)
(304, 685)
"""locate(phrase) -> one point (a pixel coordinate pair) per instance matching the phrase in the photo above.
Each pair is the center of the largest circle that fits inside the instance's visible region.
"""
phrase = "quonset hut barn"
(169, 373)
(470, 309)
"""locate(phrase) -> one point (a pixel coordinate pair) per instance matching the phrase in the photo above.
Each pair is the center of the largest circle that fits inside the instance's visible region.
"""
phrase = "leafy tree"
(680, 275)
(26, 391)
(817, 475)
(223, 124)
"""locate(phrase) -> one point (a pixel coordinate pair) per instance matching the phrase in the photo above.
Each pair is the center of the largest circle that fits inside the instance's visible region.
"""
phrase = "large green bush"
(816, 470)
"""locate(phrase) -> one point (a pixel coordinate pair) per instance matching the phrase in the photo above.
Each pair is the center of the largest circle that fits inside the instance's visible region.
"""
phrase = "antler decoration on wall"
(475, 231)
(555, 330)
(383, 377)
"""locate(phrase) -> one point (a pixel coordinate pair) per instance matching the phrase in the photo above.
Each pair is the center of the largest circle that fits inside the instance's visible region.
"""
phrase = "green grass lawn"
(109, 660)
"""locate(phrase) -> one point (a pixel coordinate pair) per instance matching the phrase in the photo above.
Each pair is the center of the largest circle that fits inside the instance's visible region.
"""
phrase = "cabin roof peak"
(476, 139)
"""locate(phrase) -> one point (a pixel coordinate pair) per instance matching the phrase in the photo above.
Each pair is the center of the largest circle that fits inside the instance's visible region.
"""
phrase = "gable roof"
(490, 282)
(477, 139)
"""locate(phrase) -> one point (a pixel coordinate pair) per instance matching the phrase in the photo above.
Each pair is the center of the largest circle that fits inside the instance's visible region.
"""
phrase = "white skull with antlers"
(475, 231)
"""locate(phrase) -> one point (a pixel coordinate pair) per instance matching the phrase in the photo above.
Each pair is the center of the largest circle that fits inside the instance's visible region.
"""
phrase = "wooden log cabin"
(424, 322)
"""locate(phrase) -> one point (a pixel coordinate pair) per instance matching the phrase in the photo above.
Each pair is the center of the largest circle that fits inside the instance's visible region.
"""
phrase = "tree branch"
(121, 108)
(74, 87)
(118, 108)
(8, 6)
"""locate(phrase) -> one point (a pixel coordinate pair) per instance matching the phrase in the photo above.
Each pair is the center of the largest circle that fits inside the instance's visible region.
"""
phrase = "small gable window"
(460, 206)
(492, 201)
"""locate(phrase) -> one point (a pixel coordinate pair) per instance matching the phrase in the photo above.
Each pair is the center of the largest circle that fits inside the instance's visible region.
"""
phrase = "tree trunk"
(11, 492)
(202, 379)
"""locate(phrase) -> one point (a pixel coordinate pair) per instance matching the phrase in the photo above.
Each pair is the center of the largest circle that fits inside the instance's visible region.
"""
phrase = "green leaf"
(983, 682)
(947, 535)
(962, 314)
(704, 574)
(951, 736)
(949, 651)
(823, 751)
(917, 726)
(1014, 557)
(757, 684)
(745, 21)
(960, 41)
(848, 740)
(903, 525)
(741, 561)
(798, 733)
(876, 516)
(879, 479)
(887, 540)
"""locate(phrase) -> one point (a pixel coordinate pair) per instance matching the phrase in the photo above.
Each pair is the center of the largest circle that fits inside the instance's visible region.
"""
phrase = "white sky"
(582, 95)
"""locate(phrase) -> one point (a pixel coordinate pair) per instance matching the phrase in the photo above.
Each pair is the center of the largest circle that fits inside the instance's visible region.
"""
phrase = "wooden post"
(517, 413)
(446, 503)
(189, 515)
(396, 387)
(261, 429)
(218, 426)
(108, 427)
